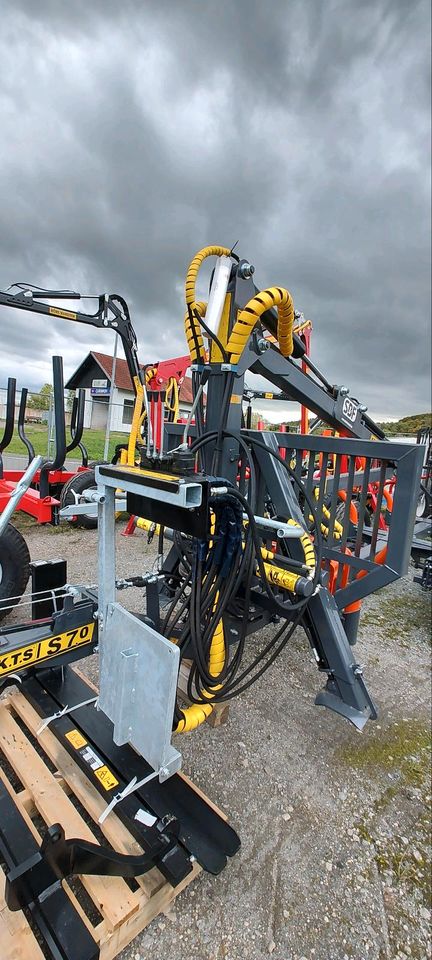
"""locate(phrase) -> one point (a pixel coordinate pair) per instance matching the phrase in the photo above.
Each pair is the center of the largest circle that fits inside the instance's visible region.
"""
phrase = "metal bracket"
(29, 880)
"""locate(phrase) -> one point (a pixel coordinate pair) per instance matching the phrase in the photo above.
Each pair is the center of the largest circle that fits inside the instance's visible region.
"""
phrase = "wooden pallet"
(49, 782)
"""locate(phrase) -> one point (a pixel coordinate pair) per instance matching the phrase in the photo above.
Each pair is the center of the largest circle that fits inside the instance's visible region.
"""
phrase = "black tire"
(14, 568)
(340, 512)
(71, 494)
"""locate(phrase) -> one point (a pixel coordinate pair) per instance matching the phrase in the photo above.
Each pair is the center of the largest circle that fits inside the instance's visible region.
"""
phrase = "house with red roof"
(95, 375)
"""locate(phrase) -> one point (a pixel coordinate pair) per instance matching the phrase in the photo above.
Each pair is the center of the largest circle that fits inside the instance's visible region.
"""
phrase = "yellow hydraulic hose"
(308, 547)
(148, 525)
(249, 316)
(194, 268)
(149, 374)
(281, 577)
(193, 717)
(136, 421)
(192, 327)
(193, 333)
(337, 527)
(196, 713)
(172, 392)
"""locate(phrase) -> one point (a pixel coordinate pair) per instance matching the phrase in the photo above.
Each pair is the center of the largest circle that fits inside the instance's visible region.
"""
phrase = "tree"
(41, 400)
(70, 399)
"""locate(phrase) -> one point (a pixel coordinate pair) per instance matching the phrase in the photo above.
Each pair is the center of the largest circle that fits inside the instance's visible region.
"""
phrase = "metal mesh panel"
(365, 495)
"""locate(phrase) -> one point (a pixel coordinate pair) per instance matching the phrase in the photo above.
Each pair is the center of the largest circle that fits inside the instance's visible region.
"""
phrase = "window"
(128, 406)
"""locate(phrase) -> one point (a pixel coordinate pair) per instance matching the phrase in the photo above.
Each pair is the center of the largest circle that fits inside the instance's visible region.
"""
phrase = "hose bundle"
(217, 580)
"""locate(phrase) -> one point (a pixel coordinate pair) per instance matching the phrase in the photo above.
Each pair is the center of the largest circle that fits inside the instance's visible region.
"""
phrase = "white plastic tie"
(64, 711)
(127, 790)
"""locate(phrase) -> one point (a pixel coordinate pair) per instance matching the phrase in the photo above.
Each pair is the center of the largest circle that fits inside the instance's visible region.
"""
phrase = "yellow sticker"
(67, 314)
(106, 778)
(235, 399)
(45, 649)
(76, 739)
(268, 396)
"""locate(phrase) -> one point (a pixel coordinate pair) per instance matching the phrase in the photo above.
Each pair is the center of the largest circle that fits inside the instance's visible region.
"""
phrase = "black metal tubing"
(77, 426)
(59, 428)
(21, 428)
(112, 313)
(9, 420)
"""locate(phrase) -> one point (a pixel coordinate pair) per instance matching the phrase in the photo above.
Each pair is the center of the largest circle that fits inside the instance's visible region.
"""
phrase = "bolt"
(245, 270)
(344, 391)
(362, 408)
(262, 345)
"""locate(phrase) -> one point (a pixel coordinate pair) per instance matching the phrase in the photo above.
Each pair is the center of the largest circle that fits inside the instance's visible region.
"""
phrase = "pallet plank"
(111, 946)
(112, 828)
(125, 914)
(16, 936)
(111, 895)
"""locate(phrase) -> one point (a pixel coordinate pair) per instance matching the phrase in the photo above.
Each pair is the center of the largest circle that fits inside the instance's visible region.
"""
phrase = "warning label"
(76, 739)
(99, 768)
(106, 778)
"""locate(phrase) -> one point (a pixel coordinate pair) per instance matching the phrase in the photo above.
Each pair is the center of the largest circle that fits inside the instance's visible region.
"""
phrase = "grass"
(93, 440)
(404, 746)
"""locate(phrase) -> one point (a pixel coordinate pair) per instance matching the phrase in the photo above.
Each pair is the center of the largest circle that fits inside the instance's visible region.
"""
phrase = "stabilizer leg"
(345, 692)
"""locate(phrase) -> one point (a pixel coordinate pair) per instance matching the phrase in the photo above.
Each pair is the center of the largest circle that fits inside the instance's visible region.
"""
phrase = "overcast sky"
(135, 133)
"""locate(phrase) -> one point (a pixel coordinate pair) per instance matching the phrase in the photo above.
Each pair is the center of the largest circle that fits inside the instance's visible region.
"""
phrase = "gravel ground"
(334, 863)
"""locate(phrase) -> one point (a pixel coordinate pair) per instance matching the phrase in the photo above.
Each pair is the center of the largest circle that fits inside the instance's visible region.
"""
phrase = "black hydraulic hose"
(208, 437)
(212, 336)
(202, 599)
(217, 453)
(285, 633)
(21, 428)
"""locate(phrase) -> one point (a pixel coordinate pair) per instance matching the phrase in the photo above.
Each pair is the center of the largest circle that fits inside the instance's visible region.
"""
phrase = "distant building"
(94, 374)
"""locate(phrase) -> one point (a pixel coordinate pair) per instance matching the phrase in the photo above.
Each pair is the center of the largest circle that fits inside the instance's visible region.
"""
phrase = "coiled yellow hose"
(308, 547)
(325, 512)
(193, 333)
(192, 327)
(194, 268)
(249, 316)
(195, 715)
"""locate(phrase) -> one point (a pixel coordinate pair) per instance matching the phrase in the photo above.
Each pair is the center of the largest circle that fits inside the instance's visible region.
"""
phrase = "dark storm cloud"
(133, 134)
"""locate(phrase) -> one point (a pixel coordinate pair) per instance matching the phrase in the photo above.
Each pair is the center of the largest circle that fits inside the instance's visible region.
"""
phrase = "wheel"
(424, 503)
(14, 568)
(340, 512)
(72, 493)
